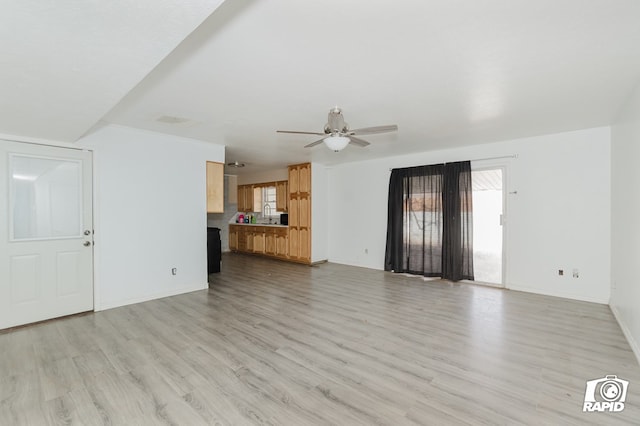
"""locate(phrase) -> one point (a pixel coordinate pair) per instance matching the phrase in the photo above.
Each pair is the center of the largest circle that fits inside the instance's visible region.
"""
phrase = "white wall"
(319, 212)
(150, 214)
(625, 199)
(559, 218)
(266, 176)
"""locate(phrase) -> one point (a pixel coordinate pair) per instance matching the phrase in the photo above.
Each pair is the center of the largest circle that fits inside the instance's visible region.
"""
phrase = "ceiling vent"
(178, 121)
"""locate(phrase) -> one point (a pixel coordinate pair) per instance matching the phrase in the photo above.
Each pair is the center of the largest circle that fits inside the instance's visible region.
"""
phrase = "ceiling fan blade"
(312, 144)
(358, 141)
(372, 130)
(300, 133)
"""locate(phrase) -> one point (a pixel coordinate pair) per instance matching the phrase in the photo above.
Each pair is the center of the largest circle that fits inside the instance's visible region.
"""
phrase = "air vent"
(180, 121)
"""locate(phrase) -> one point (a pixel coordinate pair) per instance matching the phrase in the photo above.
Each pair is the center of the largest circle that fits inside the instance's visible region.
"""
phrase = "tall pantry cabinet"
(300, 212)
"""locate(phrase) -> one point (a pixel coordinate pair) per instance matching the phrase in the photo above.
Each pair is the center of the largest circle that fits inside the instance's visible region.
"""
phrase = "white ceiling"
(64, 64)
(447, 72)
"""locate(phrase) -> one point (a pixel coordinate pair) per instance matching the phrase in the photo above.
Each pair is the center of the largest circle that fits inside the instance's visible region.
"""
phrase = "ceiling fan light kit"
(336, 143)
(337, 135)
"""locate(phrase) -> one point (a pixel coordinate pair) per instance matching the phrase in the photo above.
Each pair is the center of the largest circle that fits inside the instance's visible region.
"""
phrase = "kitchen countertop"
(273, 225)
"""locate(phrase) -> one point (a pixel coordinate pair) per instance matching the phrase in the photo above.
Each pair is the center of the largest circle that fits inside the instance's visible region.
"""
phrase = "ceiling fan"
(337, 134)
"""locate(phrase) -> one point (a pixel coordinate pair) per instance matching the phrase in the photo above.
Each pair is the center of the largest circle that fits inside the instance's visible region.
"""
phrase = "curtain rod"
(487, 158)
(496, 158)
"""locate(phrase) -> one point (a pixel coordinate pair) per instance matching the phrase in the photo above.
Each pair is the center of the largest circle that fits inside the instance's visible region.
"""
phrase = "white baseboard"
(625, 330)
(582, 298)
(357, 264)
(146, 298)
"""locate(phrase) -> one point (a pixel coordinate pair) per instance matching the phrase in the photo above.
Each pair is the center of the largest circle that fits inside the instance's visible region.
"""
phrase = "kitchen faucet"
(267, 206)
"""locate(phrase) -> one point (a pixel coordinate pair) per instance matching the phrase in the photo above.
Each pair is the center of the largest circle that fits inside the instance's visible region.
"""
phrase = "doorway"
(488, 201)
(46, 237)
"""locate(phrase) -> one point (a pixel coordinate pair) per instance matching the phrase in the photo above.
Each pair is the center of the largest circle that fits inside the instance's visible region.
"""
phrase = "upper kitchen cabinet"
(215, 187)
(300, 178)
(245, 198)
(282, 196)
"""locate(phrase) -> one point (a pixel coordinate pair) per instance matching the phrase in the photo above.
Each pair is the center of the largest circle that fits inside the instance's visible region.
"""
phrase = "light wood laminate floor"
(278, 343)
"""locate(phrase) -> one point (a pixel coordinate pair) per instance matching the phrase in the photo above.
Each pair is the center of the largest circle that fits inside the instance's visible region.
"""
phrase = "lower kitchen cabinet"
(263, 240)
(258, 241)
(249, 241)
(233, 239)
(270, 243)
(282, 243)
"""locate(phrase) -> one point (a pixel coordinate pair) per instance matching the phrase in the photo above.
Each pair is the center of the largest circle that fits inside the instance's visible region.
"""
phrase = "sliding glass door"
(488, 199)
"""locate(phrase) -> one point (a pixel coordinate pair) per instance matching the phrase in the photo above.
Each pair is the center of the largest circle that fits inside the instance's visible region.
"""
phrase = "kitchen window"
(269, 201)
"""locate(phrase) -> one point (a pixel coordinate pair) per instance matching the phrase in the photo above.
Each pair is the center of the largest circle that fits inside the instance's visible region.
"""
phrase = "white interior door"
(46, 233)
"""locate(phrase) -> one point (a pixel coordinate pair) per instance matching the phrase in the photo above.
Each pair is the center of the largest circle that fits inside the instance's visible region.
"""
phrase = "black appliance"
(284, 218)
(214, 250)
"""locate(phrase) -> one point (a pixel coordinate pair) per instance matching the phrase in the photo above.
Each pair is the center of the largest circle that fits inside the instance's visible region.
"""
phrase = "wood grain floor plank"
(284, 344)
(73, 408)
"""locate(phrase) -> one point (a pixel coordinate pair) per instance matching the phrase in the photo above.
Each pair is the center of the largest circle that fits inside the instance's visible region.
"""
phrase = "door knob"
(87, 232)
(87, 243)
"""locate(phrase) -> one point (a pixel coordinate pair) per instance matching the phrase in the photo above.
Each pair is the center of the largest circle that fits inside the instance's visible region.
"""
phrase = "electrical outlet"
(576, 273)
(174, 271)
(561, 272)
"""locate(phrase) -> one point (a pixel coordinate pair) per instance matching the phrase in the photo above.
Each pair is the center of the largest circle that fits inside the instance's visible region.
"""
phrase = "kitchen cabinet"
(293, 212)
(300, 178)
(300, 213)
(242, 239)
(300, 244)
(276, 242)
(304, 179)
(292, 243)
(256, 239)
(215, 187)
(241, 202)
(304, 237)
(233, 238)
(282, 242)
(270, 243)
(248, 237)
(294, 175)
(250, 196)
(304, 211)
(294, 240)
(245, 198)
(282, 196)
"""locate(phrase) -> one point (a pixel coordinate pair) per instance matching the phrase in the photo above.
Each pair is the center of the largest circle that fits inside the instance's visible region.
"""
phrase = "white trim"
(146, 298)
(38, 141)
(95, 218)
(483, 283)
(635, 347)
(582, 298)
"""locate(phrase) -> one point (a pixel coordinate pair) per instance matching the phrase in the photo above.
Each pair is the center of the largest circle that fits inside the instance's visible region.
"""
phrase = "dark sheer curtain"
(457, 247)
(414, 232)
(429, 229)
